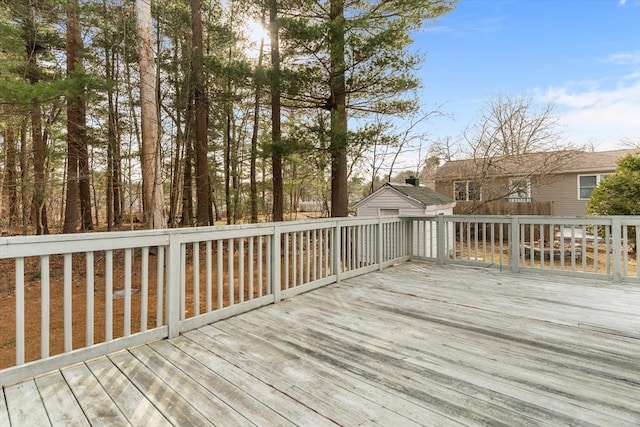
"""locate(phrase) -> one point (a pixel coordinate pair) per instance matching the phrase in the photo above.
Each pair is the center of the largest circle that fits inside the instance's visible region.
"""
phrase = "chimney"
(413, 181)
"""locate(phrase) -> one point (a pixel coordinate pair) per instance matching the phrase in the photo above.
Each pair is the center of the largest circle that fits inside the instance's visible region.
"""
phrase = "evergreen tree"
(352, 59)
(618, 194)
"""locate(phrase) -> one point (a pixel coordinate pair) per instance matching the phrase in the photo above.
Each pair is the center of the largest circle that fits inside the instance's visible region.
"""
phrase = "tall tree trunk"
(9, 185)
(114, 167)
(338, 145)
(151, 178)
(73, 120)
(187, 180)
(200, 97)
(178, 149)
(23, 176)
(38, 204)
(84, 173)
(227, 156)
(178, 154)
(276, 131)
(253, 185)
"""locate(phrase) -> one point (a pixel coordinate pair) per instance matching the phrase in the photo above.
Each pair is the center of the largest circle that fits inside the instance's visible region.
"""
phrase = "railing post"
(379, 242)
(616, 249)
(409, 245)
(275, 263)
(514, 245)
(174, 277)
(441, 239)
(335, 250)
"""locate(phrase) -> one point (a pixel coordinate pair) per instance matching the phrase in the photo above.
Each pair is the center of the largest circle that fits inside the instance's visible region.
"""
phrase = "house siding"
(491, 188)
(562, 189)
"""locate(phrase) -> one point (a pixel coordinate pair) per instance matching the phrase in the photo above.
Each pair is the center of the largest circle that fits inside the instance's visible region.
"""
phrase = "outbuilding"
(411, 199)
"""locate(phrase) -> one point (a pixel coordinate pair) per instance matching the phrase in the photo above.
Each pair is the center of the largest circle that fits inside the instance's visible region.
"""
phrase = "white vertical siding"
(387, 198)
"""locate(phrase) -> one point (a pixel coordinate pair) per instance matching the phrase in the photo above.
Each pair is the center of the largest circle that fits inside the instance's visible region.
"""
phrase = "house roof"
(421, 195)
(542, 163)
(597, 160)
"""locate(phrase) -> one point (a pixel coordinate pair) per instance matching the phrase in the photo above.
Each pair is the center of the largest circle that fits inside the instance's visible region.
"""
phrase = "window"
(586, 184)
(467, 190)
(520, 190)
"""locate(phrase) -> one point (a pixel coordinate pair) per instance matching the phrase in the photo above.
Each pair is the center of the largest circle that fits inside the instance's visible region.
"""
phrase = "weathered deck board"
(278, 401)
(415, 344)
(131, 402)
(25, 405)
(327, 392)
(97, 404)
(55, 394)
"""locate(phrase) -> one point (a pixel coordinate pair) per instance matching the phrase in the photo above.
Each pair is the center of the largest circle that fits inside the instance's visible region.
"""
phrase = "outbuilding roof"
(424, 196)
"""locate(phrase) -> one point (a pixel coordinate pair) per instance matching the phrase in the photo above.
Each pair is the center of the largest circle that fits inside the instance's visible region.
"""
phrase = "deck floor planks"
(326, 406)
(25, 405)
(282, 370)
(60, 403)
(386, 366)
(333, 378)
(291, 409)
(97, 405)
(529, 292)
(242, 402)
(484, 372)
(452, 405)
(413, 344)
(517, 332)
(158, 381)
(440, 334)
(546, 329)
(4, 412)
(132, 403)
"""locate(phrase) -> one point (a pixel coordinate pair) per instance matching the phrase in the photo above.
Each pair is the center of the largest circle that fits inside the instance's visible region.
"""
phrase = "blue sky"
(581, 55)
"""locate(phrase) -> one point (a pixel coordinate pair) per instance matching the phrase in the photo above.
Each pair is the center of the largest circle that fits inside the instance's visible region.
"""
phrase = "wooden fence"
(500, 207)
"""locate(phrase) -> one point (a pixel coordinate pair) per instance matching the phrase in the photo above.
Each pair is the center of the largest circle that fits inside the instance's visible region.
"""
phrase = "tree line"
(179, 113)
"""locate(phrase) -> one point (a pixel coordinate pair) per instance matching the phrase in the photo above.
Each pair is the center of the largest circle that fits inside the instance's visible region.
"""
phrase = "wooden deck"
(415, 344)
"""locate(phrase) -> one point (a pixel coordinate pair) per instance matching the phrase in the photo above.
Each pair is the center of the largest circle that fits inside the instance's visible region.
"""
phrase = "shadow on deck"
(415, 344)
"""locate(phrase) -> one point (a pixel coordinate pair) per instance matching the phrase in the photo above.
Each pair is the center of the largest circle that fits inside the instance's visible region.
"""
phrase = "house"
(565, 178)
(408, 199)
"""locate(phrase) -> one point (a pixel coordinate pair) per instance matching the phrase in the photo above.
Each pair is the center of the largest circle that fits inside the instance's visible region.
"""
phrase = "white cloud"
(591, 113)
(624, 58)
(622, 2)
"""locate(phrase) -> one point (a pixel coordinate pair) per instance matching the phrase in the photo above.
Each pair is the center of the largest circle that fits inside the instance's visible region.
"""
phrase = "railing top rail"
(630, 220)
(21, 246)
(535, 219)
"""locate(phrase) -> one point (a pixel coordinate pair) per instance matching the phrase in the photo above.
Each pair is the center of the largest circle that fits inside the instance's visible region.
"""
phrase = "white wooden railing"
(598, 247)
(97, 293)
(78, 296)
